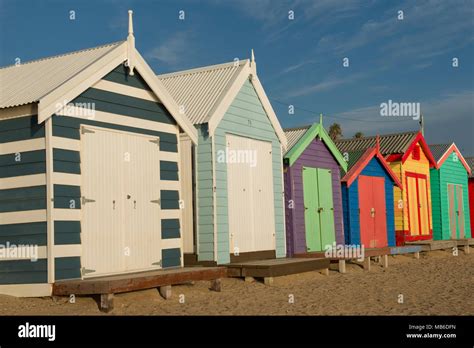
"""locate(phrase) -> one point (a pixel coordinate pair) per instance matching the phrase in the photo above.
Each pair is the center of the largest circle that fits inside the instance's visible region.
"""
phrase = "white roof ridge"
(203, 68)
(111, 44)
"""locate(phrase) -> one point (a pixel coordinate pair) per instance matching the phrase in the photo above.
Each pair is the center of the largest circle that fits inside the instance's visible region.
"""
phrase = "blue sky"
(299, 61)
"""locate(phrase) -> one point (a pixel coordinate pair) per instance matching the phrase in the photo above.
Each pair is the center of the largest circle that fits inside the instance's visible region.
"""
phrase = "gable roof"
(55, 81)
(207, 92)
(441, 153)
(397, 143)
(438, 150)
(470, 162)
(397, 146)
(360, 161)
(295, 134)
(29, 82)
(301, 139)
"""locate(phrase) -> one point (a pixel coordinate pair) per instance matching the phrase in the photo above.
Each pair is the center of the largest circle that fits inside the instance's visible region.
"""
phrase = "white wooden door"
(121, 228)
(263, 195)
(250, 195)
(141, 191)
(102, 206)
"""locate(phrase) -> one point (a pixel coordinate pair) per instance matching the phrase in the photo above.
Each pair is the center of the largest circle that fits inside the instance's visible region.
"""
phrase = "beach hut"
(236, 165)
(410, 159)
(470, 162)
(449, 193)
(89, 159)
(367, 199)
(312, 190)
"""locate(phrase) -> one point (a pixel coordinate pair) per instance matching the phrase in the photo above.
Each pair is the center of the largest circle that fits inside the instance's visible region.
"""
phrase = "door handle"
(128, 196)
(372, 212)
(320, 210)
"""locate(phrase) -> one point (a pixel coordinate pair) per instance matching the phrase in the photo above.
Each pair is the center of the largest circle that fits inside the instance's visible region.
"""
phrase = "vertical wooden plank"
(460, 209)
(380, 213)
(326, 205)
(452, 211)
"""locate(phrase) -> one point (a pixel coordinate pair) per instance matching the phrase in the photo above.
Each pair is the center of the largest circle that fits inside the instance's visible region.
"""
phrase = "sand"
(436, 284)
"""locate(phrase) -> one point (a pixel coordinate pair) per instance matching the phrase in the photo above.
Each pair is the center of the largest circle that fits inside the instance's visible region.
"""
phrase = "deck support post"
(216, 285)
(466, 248)
(385, 261)
(165, 291)
(268, 280)
(249, 279)
(367, 264)
(325, 271)
(342, 266)
(417, 255)
(106, 302)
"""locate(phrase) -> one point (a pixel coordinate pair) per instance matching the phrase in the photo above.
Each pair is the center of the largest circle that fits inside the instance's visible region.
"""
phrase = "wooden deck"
(107, 286)
(267, 269)
(430, 245)
(381, 254)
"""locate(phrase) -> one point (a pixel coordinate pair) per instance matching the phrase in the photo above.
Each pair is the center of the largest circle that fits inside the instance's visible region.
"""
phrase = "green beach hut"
(449, 193)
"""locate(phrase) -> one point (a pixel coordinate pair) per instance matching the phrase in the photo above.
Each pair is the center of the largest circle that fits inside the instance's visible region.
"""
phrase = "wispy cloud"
(174, 50)
(326, 85)
(447, 119)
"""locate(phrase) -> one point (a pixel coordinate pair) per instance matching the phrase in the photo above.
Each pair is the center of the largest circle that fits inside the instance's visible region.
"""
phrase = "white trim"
(130, 91)
(267, 106)
(162, 93)
(20, 217)
(172, 243)
(67, 179)
(171, 185)
(22, 181)
(67, 250)
(80, 82)
(94, 72)
(223, 104)
(26, 290)
(66, 143)
(170, 213)
(49, 198)
(19, 111)
(22, 146)
(169, 156)
(225, 100)
(67, 214)
(283, 202)
(108, 117)
(42, 252)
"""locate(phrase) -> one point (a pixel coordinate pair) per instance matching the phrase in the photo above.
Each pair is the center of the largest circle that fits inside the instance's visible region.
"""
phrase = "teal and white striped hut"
(236, 168)
(89, 158)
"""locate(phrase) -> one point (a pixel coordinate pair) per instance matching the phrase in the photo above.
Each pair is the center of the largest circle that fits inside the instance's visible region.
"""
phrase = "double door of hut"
(456, 211)
(318, 208)
(418, 204)
(372, 211)
(120, 227)
(251, 211)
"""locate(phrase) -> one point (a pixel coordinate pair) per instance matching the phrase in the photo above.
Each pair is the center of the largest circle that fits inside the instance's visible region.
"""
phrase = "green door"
(311, 206)
(318, 208)
(326, 207)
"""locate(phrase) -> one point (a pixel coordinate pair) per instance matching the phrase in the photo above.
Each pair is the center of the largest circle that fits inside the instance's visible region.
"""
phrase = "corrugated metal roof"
(29, 82)
(470, 162)
(389, 144)
(200, 89)
(438, 150)
(295, 134)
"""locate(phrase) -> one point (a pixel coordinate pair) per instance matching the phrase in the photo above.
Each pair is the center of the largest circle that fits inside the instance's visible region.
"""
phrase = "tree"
(359, 135)
(335, 131)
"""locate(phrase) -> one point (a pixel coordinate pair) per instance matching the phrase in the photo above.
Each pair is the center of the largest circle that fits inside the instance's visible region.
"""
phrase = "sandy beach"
(436, 284)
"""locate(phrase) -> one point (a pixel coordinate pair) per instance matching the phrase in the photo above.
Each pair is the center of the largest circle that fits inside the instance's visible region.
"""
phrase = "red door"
(372, 211)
